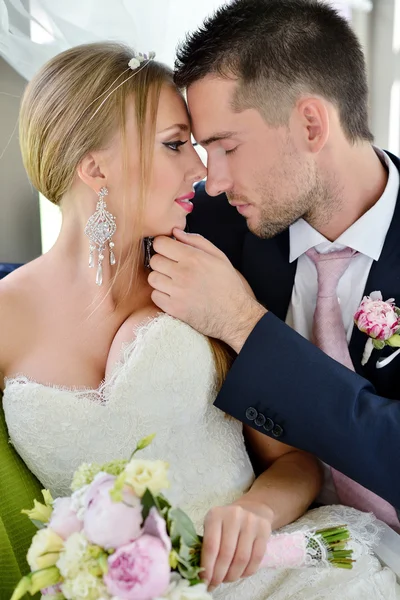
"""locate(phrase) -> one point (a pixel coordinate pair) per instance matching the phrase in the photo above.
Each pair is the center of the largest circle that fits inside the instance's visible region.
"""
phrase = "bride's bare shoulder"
(16, 289)
(16, 293)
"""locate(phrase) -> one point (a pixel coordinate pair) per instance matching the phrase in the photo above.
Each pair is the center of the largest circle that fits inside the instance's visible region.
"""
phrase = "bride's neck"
(125, 282)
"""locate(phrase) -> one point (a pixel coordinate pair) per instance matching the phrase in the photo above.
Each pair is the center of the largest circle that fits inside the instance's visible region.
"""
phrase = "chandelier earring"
(99, 229)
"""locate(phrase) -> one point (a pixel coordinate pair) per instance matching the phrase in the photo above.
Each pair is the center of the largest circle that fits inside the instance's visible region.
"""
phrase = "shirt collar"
(367, 235)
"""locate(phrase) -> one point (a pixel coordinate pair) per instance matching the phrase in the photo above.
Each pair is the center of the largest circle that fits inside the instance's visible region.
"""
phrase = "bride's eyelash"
(231, 151)
(174, 146)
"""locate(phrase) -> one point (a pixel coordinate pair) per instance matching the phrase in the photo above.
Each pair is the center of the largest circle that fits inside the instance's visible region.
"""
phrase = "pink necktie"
(329, 335)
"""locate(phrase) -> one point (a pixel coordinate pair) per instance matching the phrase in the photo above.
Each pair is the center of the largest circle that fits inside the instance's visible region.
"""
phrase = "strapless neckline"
(100, 394)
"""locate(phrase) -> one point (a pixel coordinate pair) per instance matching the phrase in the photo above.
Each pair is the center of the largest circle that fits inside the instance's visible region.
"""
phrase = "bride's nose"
(197, 171)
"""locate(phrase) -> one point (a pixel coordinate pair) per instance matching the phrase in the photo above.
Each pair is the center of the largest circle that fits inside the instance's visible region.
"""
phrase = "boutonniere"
(380, 320)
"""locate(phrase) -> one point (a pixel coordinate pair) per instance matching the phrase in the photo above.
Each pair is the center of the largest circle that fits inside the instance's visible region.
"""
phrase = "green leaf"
(148, 501)
(38, 524)
(163, 503)
(196, 581)
(189, 572)
(185, 552)
(394, 341)
(378, 344)
(180, 526)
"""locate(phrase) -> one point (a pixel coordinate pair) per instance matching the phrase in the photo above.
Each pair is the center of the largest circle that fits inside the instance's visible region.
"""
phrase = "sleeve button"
(260, 420)
(269, 424)
(277, 431)
(251, 413)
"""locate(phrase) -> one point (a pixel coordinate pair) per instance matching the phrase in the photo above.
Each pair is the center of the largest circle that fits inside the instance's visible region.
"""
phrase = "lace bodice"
(164, 383)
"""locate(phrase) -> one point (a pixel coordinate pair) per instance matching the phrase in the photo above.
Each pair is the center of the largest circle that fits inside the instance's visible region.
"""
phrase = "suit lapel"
(265, 265)
(384, 277)
(274, 287)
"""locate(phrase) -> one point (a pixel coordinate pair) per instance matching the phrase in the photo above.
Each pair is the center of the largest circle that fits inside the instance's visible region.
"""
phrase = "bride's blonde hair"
(63, 117)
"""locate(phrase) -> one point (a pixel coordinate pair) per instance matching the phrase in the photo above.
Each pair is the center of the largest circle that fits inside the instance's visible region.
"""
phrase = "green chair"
(18, 488)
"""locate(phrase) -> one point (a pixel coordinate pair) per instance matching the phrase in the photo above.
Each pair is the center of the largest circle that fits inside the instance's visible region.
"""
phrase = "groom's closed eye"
(223, 135)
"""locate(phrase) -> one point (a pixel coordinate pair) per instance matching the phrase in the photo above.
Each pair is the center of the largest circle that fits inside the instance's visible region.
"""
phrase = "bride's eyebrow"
(222, 135)
(179, 126)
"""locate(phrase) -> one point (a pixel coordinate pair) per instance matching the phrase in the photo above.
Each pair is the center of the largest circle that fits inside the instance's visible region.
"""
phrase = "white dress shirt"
(366, 236)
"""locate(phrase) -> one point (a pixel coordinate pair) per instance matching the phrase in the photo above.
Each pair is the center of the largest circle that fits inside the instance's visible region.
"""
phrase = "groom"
(308, 210)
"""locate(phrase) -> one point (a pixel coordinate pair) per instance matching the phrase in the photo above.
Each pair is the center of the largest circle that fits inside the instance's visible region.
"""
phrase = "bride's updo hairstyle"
(75, 105)
(68, 111)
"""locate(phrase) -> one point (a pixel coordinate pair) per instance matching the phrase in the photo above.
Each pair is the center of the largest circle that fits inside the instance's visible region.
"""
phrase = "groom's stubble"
(278, 205)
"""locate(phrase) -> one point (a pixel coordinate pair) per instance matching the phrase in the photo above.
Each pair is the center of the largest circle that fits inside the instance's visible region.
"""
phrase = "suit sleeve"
(284, 386)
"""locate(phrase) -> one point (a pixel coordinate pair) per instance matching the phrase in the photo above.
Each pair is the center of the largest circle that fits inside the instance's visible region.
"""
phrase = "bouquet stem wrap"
(323, 547)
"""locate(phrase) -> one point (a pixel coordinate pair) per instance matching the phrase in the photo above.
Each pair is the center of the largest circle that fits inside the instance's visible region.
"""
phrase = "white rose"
(44, 550)
(73, 554)
(78, 502)
(84, 586)
(151, 474)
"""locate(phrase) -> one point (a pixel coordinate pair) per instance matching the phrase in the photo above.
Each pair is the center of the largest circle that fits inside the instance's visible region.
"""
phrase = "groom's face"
(263, 170)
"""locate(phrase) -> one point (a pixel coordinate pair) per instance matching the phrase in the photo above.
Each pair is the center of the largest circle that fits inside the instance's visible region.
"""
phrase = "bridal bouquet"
(118, 538)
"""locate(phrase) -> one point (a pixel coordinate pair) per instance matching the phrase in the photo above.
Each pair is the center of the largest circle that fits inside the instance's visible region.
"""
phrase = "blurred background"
(32, 31)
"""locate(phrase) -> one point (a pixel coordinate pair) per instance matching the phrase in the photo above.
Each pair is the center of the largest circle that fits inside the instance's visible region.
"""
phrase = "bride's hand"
(235, 541)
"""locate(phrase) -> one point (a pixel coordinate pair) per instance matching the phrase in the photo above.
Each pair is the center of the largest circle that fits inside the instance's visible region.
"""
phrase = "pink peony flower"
(107, 523)
(139, 571)
(156, 526)
(377, 318)
(64, 520)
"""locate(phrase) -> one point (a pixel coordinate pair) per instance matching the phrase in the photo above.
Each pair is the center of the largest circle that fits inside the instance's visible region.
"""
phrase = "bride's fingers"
(242, 557)
(257, 555)
(211, 545)
(229, 539)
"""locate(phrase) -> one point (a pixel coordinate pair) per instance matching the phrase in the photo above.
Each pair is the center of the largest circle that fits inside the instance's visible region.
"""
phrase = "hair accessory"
(138, 60)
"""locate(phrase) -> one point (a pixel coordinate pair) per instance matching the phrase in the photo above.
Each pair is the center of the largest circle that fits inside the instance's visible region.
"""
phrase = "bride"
(89, 365)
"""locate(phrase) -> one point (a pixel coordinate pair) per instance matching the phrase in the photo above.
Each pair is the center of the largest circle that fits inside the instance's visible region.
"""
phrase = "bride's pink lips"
(184, 202)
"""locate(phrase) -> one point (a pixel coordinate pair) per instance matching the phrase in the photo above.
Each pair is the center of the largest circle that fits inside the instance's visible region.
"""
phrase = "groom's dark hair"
(278, 50)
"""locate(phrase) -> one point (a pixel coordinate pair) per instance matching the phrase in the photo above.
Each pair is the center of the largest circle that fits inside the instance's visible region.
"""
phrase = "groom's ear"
(312, 121)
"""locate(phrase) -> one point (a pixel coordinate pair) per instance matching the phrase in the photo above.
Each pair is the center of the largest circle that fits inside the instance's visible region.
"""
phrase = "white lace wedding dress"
(165, 384)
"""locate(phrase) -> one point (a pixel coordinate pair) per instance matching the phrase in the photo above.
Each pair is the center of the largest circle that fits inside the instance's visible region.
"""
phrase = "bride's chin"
(179, 224)
(167, 231)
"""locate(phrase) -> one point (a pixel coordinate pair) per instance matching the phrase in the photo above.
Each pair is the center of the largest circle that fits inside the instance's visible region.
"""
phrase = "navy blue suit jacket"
(299, 394)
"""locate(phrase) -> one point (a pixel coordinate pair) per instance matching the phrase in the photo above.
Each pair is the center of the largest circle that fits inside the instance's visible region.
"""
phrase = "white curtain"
(32, 31)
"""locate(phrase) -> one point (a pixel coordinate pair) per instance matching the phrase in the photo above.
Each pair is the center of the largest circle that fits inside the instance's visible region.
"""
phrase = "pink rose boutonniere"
(380, 320)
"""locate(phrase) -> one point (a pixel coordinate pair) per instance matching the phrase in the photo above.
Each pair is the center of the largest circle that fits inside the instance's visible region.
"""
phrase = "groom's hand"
(195, 282)
(235, 541)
